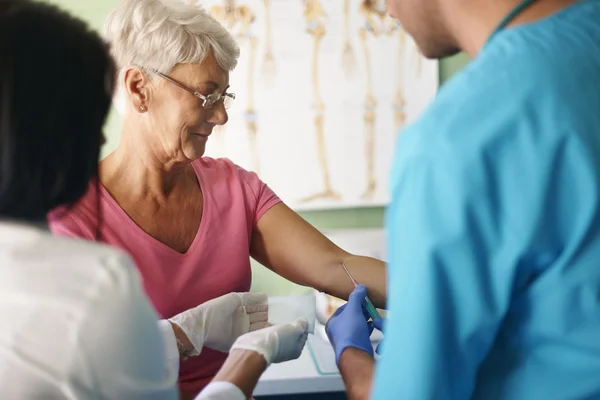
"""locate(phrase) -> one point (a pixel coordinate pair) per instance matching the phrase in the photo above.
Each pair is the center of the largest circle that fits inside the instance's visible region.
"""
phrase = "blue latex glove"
(348, 326)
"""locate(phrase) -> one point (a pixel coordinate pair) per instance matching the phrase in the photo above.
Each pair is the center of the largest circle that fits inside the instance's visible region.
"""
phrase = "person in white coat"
(75, 321)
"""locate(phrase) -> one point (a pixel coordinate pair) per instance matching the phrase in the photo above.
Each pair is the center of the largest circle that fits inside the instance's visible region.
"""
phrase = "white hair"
(159, 34)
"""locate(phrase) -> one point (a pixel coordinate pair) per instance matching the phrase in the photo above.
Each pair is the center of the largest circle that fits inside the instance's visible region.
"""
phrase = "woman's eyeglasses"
(208, 102)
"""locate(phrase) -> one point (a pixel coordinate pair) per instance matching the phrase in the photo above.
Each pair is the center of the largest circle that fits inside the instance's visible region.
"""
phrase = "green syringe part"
(371, 310)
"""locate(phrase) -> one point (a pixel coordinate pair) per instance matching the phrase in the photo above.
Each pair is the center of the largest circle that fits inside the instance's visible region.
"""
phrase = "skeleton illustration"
(399, 101)
(348, 59)
(378, 24)
(238, 19)
(268, 70)
(315, 17)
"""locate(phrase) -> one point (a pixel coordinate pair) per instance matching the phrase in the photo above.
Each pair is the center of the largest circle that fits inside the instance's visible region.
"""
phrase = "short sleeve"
(263, 196)
(447, 296)
(120, 343)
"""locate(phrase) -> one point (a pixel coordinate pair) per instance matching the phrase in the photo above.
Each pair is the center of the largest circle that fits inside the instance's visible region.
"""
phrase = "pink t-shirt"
(216, 263)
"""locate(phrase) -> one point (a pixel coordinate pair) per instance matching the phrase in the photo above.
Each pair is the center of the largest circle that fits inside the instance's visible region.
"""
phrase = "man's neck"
(476, 21)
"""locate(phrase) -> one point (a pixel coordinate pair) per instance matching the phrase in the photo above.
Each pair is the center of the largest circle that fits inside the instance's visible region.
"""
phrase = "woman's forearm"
(371, 273)
(366, 270)
(292, 248)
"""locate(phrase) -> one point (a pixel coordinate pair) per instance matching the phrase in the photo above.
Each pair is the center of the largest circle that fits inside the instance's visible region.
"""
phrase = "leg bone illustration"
(399, 100)
(348, 60)
(377, 24)
(314, 16)
(268, 69)
(239, 20)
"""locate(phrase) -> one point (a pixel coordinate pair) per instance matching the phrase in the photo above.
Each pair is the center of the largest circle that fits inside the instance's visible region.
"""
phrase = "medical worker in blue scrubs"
(494, 222)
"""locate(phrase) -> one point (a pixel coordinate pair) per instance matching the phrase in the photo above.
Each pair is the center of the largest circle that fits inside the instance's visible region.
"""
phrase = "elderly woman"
(192, 222)
(75, 321)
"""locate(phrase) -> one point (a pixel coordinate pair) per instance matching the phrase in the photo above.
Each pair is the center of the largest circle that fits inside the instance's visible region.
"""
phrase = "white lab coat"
(76, 324)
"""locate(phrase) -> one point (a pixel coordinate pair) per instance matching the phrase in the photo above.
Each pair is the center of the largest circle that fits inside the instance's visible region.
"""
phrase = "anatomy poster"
(323, 87)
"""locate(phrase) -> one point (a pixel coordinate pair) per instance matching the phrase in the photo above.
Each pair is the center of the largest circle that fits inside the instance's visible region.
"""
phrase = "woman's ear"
(136, 84)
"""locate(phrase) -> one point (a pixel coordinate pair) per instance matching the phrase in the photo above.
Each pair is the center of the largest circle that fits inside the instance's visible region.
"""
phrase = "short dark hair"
(56, 84)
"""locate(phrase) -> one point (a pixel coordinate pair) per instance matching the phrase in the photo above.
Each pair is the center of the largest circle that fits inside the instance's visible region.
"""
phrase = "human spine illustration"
(315, 18)
(239, 20)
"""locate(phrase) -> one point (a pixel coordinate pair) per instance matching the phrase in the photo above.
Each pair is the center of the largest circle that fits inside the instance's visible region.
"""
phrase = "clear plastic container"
(286, 309)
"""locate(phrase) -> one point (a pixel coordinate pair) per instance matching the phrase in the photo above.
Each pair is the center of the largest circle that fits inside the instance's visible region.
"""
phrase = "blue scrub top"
(494, 225)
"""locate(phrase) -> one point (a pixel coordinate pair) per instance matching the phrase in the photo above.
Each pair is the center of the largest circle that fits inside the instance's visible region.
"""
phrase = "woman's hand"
(219, 322)
(277, 343)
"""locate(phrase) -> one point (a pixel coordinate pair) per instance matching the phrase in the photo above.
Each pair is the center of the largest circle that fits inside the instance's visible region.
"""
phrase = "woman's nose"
(218, 114)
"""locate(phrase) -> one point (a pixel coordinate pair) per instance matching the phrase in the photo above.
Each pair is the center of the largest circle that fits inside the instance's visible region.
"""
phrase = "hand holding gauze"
(219, 322)
(277, 343)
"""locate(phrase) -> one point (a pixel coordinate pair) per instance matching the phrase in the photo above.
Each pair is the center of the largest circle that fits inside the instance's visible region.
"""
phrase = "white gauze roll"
(286, 309)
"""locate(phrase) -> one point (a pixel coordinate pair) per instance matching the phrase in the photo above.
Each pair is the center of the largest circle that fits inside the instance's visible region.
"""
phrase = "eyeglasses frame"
(208, 102)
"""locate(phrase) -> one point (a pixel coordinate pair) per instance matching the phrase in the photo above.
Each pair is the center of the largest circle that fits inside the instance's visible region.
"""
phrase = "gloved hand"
(348, 326)
(277, 343)
(219, 322)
